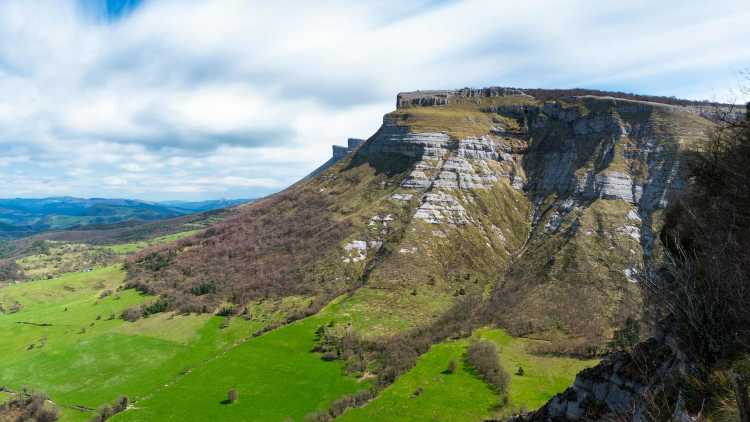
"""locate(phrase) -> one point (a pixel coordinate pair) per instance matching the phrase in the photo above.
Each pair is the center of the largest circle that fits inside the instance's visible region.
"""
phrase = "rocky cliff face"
(546, 209)
(579, 182)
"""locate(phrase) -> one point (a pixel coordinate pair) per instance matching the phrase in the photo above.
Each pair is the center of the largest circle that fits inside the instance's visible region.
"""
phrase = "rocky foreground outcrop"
(640, 385)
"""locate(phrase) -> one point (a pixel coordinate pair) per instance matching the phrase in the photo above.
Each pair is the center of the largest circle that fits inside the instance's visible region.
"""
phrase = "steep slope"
(599, 170)
(547, 207)
(696, 366)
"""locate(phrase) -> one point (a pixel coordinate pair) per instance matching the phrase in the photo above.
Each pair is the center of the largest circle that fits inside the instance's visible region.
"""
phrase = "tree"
(482, 356)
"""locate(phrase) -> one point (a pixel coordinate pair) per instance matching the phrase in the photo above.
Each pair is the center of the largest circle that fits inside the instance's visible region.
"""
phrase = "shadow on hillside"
(384, 163)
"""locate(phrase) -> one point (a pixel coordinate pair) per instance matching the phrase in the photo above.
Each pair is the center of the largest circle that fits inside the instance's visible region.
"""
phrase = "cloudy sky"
(175, 99)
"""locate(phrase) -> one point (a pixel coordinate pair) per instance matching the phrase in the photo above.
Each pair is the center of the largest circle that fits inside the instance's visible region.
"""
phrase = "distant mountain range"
(22, 217)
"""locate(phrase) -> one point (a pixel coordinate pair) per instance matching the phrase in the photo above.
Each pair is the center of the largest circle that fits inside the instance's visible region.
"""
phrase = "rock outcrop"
(339, 153)
(631, 386)
(443, 97)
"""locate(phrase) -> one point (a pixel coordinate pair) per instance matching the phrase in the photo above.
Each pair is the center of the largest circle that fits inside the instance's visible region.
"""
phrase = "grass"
(63, 258)
(84, 358)
(127, 248)
(460, 119)
(544, 376)
(377, 312)
(170, 366)
(462, 396)
(275, 375)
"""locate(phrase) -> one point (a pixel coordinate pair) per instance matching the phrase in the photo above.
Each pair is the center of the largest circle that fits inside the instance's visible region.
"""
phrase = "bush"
(232, 396)
(28, 407)
(10, 271)
(482, 356)
(451, 367)
(627, 337)
(107, 411)
(131, 314)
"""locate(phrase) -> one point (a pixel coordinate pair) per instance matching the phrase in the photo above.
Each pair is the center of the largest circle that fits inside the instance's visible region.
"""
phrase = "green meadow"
(64, 337)
(429, 393)
(276, 377)
(68, 341)
(127, 248)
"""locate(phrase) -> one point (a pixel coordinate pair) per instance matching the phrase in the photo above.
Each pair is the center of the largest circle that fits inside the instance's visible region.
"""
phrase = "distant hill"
(23, 217)
(199, 206)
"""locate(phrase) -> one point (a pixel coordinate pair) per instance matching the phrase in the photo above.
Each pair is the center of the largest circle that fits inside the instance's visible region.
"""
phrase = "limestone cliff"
(560, 197)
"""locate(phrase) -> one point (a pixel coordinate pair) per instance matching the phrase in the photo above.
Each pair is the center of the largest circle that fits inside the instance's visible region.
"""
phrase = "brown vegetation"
(703, 288)
(10, 271)
(270, 249)
(482, 356)
(107, 411)
(24, 407)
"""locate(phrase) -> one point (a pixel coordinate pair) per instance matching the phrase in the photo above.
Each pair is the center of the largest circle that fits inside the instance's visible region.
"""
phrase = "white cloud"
(240, 98)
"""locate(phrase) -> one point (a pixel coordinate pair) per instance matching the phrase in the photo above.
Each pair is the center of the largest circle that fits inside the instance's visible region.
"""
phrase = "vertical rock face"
(339, 153)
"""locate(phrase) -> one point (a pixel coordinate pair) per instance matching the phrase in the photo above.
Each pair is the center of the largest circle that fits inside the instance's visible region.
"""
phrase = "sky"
(175, 99)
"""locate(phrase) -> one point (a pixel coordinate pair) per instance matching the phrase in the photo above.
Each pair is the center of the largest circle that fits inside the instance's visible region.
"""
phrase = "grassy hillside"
(430, 393)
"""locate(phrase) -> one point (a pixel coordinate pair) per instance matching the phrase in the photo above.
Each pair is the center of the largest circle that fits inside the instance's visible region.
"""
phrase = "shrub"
(232, 396)
(10, 271)
(28, 407)
(132, 314)
(482, 356)
(451, 367)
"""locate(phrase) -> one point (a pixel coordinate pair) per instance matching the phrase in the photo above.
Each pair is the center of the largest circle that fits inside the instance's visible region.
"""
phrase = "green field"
(276, 376)
(177, 367)
(126, 248)
(428, 393)
(68, 341)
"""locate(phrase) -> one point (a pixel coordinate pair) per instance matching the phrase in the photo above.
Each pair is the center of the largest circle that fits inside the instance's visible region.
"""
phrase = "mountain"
(463, 263)
(544, 206)
(200, 206)
(22, 217)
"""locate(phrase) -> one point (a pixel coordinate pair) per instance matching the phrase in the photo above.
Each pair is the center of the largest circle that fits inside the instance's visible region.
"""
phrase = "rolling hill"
(22, 217)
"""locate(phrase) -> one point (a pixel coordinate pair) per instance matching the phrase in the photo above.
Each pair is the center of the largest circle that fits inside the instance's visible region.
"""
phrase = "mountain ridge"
(452, 188)
(26, 216)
